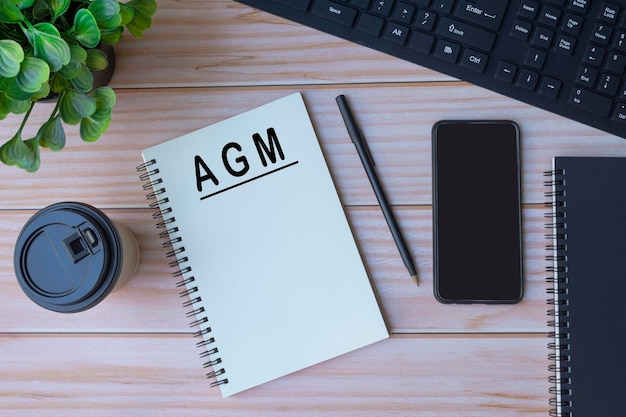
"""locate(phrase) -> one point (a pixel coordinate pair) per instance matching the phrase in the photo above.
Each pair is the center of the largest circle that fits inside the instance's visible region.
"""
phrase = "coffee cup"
(69, 256)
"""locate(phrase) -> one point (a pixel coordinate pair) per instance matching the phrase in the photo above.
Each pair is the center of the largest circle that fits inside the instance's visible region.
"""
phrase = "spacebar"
(335, 12)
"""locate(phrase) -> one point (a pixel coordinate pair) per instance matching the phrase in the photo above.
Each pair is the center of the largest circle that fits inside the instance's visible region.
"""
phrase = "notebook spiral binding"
(182, 271)
(558, 303)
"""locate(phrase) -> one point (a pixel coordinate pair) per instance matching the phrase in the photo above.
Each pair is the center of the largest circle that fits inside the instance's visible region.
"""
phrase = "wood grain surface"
(206, 60)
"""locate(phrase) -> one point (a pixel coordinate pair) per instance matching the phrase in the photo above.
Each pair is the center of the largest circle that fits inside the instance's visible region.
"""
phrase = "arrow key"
(550, 87)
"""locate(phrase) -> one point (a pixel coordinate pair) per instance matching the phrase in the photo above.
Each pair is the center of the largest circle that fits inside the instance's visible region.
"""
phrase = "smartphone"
(477, 217)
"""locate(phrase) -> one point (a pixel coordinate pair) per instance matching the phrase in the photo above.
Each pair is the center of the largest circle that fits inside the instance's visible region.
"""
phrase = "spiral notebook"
(268, 265)
(588, 250)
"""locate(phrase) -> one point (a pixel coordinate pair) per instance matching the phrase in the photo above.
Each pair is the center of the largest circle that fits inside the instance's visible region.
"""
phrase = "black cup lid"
(68, 257)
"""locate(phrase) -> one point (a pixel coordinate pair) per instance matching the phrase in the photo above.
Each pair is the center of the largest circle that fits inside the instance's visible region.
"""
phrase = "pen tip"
(416, 280)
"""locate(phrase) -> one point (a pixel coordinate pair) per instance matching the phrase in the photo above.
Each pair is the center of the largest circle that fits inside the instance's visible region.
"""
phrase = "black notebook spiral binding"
(173, 244)
(587, 256)
(556, 248)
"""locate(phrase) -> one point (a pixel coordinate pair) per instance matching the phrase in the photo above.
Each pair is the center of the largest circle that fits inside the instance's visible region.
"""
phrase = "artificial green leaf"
(51, 134)
(91, 128)
(58, 83)
(96, 60)
(11, 56)
(127, 13)
(86, 28)
(105, 97)
(23, 4)
(33, 145)
(111, 37)
(142, 18)
(83, 82)
(41, 10)
(14, 91)
(78, 58)
(49, 45)
(14, 106)
(16, 152)
(58, 7)
(75, 106)
(9, 12)
(43, 92)
(107, 13)
(33, 73)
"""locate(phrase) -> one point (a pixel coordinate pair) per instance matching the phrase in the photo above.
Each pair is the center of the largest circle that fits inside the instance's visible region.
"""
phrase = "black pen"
(368, 163)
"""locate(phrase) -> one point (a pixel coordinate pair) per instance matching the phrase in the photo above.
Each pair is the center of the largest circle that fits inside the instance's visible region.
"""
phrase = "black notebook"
(588, 250)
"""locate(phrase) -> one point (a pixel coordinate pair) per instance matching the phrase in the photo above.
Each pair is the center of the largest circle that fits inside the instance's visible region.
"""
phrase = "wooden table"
(204, 61)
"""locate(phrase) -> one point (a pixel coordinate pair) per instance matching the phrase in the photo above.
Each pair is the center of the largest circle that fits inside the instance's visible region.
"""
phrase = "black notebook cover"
(588, 250)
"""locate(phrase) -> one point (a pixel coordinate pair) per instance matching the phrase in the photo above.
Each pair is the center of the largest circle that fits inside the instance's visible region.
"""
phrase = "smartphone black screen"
(477, 212)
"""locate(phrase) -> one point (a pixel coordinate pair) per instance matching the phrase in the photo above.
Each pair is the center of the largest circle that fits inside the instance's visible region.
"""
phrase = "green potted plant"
(50, 48)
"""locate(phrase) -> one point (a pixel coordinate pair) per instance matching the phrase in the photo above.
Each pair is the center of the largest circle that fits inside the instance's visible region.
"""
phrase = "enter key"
(486, 13)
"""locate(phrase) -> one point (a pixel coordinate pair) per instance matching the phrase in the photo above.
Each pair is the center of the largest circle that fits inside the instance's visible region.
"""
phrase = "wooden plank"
(162, 375)
(221, 42)
(396, 119)
(150, 302)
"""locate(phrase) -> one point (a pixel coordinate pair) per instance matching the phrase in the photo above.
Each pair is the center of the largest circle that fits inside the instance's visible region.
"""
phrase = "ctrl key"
(592, 102)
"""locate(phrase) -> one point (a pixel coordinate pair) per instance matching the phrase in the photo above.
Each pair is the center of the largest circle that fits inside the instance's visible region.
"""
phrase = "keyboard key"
(506, 72)
(592, 102)
(473, 60)
(608, 12)
(425, 20)
(572, 24)
(528, 79)
(302, 5)
(370, 24)
(565, 45)
(396, 33)
(550, 16)
(594, 55)
(335, 12)
(529, 9)
(404, 13)
(535, 58)
(620, 41)
(447, 51)
(579, 5)
(550, 87)
(362, 4)
(587, 77)
(521, 30)
(443, 6)
(422, 42)
(465, 33)
(620, 113)
(616, 63)
(382, 7)
(543, 37)
(602, 34)
(485, 13)
(609, 84)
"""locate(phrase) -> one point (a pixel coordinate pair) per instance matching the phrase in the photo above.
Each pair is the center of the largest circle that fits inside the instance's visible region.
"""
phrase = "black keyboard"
(564, 56)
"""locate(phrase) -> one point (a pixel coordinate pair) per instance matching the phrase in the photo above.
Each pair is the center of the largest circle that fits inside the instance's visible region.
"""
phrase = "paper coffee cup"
(69, 256)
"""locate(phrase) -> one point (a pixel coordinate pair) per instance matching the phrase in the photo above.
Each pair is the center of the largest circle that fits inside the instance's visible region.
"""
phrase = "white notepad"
(267, 245)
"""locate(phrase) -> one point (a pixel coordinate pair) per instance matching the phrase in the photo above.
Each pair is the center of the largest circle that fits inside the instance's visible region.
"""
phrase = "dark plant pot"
(100, 78)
